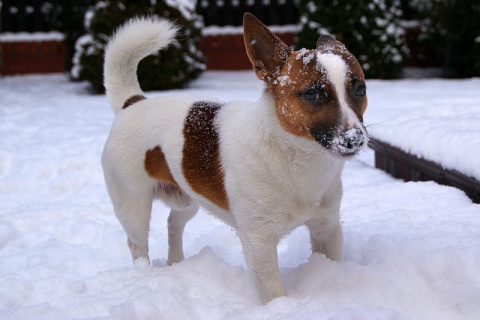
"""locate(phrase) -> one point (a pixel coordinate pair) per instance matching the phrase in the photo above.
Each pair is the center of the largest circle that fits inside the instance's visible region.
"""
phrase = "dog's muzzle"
(349, 142)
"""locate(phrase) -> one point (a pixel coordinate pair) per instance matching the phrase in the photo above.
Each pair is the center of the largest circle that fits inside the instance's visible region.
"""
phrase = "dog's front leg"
(261, 256)
(326, 234)
(326, 238)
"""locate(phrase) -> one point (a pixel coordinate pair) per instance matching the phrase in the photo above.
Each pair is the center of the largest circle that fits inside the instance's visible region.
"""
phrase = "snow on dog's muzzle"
(350, 141)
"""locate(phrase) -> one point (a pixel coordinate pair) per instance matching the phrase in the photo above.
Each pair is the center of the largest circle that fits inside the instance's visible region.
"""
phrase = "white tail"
(132, 42)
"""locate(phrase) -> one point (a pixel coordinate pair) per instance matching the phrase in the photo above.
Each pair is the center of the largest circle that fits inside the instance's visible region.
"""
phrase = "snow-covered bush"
(369, 28)
(463, 38)
(170, 68)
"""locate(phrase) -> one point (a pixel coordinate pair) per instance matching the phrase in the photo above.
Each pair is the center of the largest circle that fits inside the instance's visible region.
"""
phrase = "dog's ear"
(329, 43)
(265, 50)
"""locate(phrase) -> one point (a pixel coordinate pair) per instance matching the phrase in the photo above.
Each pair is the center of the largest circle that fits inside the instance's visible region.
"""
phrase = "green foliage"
(464, 36)
(170, 68)
(369, 28)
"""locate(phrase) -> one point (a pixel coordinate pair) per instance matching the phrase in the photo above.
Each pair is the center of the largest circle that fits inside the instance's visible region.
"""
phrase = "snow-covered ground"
(412, 250)
(434, 119)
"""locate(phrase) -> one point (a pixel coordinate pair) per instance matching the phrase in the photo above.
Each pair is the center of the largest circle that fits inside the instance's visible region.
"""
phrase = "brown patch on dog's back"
(201, 154)
(156, 166)
(133, 99)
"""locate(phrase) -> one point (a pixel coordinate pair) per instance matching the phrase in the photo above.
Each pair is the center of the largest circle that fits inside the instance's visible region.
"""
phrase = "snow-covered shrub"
(369, 28)
(170, 68)
(463, 38)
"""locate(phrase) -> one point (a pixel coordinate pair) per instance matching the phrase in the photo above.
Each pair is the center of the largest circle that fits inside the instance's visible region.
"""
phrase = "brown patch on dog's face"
(133, 99)
(201, 154)
(357, 84)
(156, 166)
(295, 113)
(308, 103)
(319, 94)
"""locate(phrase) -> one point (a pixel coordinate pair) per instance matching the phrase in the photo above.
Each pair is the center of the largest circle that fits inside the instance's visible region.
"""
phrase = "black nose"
(351, 139)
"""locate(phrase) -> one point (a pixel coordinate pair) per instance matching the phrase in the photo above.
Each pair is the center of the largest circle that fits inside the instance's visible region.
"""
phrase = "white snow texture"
(411, 251)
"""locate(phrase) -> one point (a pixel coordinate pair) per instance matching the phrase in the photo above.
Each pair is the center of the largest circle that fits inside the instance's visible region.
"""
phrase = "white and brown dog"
(263, 167)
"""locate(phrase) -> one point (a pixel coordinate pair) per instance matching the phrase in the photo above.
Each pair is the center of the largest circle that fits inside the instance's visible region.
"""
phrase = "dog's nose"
(351, 140)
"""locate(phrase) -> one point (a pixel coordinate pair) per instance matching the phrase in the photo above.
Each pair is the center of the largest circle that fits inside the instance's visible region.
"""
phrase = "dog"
(264, 167)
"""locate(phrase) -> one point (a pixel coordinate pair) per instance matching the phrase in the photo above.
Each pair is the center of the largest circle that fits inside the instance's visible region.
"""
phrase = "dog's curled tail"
(132, 42)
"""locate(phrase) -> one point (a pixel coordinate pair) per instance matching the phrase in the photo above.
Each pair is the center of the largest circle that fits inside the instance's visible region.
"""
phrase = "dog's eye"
(310, 94)
(316, 93)
(360, 91)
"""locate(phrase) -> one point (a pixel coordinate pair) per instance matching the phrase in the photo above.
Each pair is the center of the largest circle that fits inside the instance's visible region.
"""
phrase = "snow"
(411, 251)
(232, 30)
(432, 119)
(87, 42)
(186, 7)
(31, 36)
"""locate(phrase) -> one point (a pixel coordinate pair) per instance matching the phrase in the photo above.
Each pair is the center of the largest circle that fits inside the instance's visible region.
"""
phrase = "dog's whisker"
(372, 143)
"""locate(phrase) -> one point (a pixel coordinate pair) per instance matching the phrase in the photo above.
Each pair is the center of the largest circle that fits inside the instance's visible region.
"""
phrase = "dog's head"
(319, 94)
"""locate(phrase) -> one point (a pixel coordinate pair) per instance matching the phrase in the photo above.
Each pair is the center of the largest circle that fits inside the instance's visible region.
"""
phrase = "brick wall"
(32, 53)
(222, 52)
(32, 57)
(227, 51)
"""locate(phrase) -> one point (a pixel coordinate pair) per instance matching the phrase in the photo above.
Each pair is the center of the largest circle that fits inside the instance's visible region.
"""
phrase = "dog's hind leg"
(176, 225)
(183, 208)
(134, 214)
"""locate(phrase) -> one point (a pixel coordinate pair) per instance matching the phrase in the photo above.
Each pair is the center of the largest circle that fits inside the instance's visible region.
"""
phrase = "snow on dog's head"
(320, 94)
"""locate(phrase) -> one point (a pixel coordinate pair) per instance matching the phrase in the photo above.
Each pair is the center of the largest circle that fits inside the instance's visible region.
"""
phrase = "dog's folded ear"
(329, 43)
(265, 50)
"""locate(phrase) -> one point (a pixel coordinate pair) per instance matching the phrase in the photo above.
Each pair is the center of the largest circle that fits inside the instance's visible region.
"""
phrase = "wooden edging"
(405, 166)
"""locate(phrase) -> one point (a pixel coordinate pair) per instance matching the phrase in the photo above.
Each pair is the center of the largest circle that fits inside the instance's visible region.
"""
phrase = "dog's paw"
(142, 264)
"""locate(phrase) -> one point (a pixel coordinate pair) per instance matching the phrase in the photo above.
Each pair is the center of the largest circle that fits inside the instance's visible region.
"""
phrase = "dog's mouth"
(345, 144)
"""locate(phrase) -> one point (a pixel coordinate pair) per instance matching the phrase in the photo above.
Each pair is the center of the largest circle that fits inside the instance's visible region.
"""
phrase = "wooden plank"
(400, 164)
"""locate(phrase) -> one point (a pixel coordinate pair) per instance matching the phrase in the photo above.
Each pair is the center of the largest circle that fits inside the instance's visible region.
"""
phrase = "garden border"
(403, 165)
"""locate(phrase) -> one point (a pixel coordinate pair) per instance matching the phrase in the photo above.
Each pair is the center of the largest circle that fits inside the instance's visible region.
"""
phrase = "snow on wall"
(31, 37)
(207, 31)
(231, 30)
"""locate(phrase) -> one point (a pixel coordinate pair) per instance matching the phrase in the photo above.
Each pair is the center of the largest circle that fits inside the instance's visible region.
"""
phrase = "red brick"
(223, 52)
